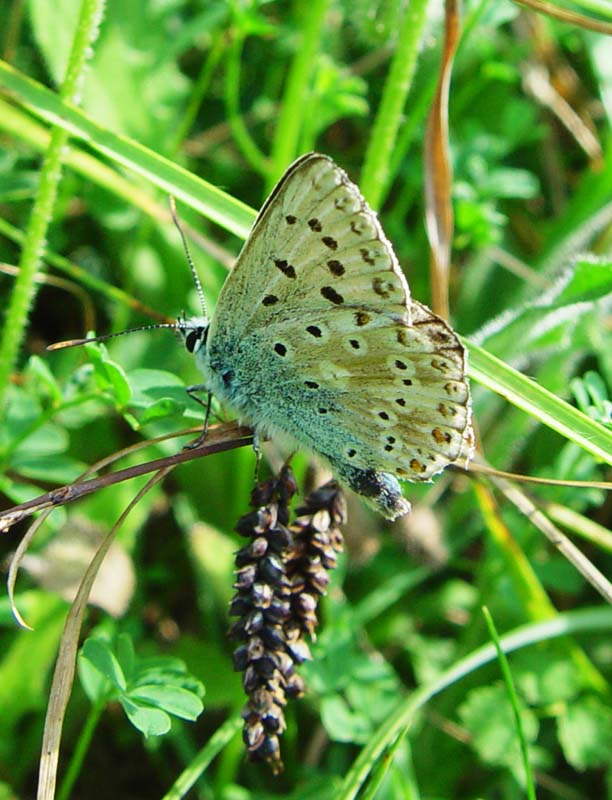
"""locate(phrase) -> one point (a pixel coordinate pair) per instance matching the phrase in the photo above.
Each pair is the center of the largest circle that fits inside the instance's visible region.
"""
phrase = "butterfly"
(315, 341)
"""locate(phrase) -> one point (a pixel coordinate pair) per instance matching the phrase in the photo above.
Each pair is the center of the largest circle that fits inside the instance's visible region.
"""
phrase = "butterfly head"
(194, 333)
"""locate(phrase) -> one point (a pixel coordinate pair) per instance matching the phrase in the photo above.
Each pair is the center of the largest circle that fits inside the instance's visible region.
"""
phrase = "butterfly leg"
(192, 391)
(258, 455)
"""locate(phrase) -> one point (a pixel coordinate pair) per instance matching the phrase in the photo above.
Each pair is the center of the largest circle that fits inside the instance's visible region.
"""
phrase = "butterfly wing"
(313, 233)
(315, 336)
(401, 389)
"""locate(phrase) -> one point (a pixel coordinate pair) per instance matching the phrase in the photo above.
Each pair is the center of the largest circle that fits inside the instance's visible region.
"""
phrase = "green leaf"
(544, 681)
(94, 683)
(109, 376)
(160, 409)
(149, 385)
(585, 731)
(173, 699)
(126, 655)
(53, 26)
(162, 669)
(113, 95)
(43, 379)
(149, 721)
(161, 394)
(46, 440)
(488, 717)
(56, 467)
(342, 723)
(552, 316)
(590, 280)
(99, 653)
(507, 182)
(592, 398)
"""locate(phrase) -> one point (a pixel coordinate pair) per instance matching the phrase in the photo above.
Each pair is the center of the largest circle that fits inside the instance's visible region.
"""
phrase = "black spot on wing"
(336, 267)
(329, 293)
(286, 268)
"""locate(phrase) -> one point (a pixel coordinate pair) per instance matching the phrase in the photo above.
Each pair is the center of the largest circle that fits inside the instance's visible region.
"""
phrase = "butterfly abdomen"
(380, 489)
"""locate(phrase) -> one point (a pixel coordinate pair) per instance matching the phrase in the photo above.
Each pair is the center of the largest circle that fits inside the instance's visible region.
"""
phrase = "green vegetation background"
(232, 92)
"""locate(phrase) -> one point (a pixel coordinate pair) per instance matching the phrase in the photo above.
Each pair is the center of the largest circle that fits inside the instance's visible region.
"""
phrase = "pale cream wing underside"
(402, 389)
(318, 284)
(314, 233)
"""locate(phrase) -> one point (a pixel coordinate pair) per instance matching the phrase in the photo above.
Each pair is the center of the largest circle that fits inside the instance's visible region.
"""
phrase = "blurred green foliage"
(204, 84)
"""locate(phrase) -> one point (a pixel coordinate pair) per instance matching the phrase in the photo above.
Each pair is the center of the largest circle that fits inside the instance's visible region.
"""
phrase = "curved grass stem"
(25, 286)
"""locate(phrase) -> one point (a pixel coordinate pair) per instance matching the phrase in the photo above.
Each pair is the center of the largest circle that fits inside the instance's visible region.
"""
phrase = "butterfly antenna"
(196, 278)
(79, 342)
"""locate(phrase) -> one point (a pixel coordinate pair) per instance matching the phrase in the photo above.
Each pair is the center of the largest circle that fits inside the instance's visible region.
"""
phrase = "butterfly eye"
(194, 338)
(190, 340)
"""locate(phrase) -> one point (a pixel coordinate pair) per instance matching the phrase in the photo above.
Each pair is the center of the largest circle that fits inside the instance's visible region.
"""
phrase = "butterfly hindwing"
(395, 395)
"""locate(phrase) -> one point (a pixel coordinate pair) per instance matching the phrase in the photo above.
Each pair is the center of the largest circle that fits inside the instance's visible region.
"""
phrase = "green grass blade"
(377, 167)
(291, 118)
(24, 289)
(583, 621)
(537, 401)
(514, 702)
(213, 203)
(200, 763)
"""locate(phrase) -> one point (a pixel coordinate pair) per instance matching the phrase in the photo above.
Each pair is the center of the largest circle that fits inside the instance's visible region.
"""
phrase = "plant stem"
(286, 136)
(199, 90)
(376, 169)
(80, 751)
(244, 140)
(514, 702)
(200, 763)
(25, 286)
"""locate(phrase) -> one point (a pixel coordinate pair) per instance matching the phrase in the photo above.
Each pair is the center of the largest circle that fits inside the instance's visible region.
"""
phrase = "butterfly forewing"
(313, 234)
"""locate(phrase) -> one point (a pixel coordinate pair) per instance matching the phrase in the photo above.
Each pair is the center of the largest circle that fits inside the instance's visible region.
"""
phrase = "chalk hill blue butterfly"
(316, 341)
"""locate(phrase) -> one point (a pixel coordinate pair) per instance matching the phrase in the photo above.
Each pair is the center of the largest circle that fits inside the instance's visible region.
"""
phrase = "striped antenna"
(196, 278)
(78, 342)
(180, 324)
